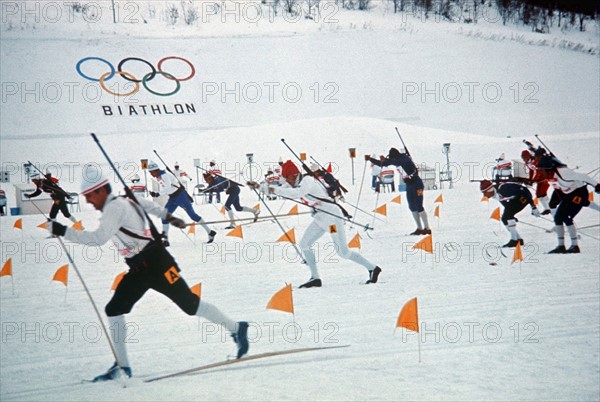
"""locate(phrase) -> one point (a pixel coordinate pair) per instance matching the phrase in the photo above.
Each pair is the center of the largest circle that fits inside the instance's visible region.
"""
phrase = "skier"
(181, 176)
(232, 189)
(513, 197)
(570, 195)
(541, 186)
(150, 267)
(375, 176)
(214, 172)
(326, 219)
(49, 185)
(178, 197)
(414, 185)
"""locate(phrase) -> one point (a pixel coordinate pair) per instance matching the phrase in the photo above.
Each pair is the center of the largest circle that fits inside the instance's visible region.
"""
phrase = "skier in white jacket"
(150, 267)
(569, 196)
(327, 218)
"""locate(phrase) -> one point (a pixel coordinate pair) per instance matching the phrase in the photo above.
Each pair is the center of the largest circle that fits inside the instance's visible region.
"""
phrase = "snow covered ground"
(488, 332)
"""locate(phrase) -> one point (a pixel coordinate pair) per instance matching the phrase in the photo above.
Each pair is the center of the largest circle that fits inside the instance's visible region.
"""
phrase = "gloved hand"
(253, 185)
(535, 212)
(27, 195)
(597, 188)
(56, 228)
(367, 157)
(154, 194)
(177, 222)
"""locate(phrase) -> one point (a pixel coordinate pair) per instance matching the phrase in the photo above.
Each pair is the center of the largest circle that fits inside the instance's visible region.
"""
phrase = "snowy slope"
(489, 332)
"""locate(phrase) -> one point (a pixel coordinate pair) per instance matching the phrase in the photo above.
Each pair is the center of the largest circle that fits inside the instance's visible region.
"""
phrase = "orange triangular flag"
(439, 199)
(294, 210)
(329, 168)
(382, 210)
(436, 213)
(117, 280)
(495, 214)
(257, 206)
(236, 232)
(355, 242)
(6, 268)
(18, 224)
(192, 229)
(591, 196)
(223, 210)
(426, 244)
(484, 198)
(43, 225)
(62, 274)
(77, 226)
(289, 236)
(409, 316)
(518, 256)
(536, 201)
(282, 300)
(397, 199)
(197, 289)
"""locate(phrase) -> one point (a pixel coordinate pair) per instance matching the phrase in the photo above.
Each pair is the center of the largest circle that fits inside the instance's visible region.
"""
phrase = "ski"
(242, 360)
(252, 220)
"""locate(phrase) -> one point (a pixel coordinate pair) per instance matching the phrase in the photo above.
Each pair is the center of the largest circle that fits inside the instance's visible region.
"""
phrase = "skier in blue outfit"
(514, 198)
(232, 190)
(178, 198)
(414, 185)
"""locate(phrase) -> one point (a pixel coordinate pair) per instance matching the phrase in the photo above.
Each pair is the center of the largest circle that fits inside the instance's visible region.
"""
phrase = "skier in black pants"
(514, 198)
(150, 267)
(58, 195)
(414, 186)
(232, 190)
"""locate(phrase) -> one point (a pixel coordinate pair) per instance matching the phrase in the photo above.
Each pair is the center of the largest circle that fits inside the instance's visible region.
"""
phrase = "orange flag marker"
(18, 224)
(197, 289)
(77, 226)
(591, 196)
(223, 210)
(294, 210)
(192, 229)
(397, 199)
(236, 232)
(43, 225)
(282, 300)
(117, 280)
(355, 242)
(440, 198)
(495, 214)
(484, 199)
(436, 213)
(426, 244)
(382, 210)
(409, 319)
(257, 206)
(62, 274)
(7, 268)
(289, 236)
(518, 255)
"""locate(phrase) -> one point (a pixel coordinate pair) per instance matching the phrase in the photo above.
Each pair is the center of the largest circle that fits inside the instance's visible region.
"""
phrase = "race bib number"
(172, 275)
(332, 229)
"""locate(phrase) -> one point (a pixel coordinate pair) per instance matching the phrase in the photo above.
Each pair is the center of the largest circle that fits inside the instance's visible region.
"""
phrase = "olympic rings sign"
(154, 71)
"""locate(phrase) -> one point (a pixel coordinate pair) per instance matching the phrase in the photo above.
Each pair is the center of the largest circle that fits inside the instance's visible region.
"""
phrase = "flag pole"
(419, 343)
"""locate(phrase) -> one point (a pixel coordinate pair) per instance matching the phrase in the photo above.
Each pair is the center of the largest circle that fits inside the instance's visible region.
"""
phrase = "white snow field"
(490, 330)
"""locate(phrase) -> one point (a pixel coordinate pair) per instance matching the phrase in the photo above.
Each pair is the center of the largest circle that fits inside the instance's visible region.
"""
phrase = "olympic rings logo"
(154, 71)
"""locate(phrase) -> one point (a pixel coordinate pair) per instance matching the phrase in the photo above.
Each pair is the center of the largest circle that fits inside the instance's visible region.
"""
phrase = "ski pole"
(169, 169)
(365, 227)
(403, 144)
(279, 224)
(360, 189)
(85, 288)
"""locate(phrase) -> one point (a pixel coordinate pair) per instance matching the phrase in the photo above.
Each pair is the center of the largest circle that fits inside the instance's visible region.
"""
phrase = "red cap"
(289, 169)
(485, 185)
(525, 155)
